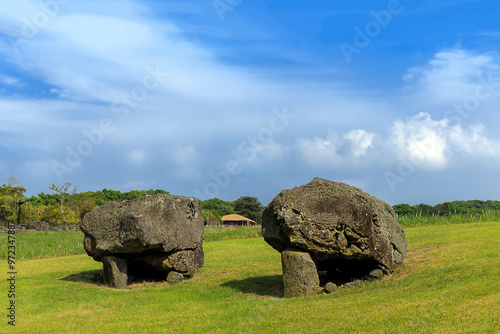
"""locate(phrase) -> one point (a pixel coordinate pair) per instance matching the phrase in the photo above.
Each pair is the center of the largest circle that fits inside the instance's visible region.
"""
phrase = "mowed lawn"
(450, 283)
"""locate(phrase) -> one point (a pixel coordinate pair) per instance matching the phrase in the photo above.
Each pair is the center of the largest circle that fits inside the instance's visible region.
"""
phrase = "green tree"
(249, 207)
(82, 203)
(425, 209)
(44, 199)
(156, 192)
(11, 193)
(220, 206)
(211, 217)
(63, 193)
(406, 209)
(113, 195)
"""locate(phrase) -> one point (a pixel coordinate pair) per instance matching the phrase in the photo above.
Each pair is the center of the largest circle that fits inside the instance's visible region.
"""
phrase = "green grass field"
(449, 283)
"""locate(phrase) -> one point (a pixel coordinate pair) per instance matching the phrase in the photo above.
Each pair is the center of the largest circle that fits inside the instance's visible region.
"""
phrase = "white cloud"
(319, 151)
(101, 55)
(360, 141)
(424, 142)
(451, 76)
(9, 81)
(474, 141)
(434, 144)
(61, 94)
(335, 149)
(86, 31)
(421, 139)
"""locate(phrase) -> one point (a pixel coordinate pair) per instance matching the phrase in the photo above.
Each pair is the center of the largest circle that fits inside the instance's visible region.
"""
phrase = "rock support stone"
(300, 277)
(115, 272)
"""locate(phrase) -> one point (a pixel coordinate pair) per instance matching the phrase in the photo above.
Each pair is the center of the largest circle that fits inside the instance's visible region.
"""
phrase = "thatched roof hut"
(237, 220)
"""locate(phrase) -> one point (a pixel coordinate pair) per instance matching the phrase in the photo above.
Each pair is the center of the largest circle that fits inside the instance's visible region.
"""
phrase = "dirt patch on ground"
(417, 255)
(414, 257)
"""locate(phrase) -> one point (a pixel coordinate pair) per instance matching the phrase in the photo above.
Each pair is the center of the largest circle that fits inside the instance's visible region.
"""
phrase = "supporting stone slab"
(115, 272)
(300, 276)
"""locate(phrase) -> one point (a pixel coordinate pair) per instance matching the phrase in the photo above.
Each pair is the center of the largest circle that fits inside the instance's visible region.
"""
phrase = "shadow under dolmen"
(270, 286)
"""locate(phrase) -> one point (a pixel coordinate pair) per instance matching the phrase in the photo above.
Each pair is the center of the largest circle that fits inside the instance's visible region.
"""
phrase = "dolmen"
(332, 234)
(157, 236)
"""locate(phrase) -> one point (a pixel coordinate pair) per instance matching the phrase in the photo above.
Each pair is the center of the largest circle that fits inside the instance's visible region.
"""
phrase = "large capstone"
(347, 232)
(155, 235)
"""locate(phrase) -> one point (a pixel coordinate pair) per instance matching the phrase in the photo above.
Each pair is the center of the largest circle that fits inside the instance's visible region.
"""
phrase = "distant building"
(237, 220)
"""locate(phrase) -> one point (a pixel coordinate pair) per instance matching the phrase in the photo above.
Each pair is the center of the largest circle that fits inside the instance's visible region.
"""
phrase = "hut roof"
(235, 217)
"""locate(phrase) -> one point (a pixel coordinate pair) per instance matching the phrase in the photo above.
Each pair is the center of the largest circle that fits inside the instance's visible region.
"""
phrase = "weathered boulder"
(70, 226)
(155, 234)
(73, 226)
(31, 225)
(38, 226)
(347, 232)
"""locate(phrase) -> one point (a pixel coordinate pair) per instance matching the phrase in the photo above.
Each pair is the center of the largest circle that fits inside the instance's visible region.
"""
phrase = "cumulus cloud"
(360, 142)
(320, 151)
(421, 140)
(436, 143)
(474, 141)
(451, 75)
(336, 149)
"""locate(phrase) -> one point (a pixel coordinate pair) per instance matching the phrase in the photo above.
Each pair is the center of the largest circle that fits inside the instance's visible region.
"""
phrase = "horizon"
(221, 99)
(264, 204)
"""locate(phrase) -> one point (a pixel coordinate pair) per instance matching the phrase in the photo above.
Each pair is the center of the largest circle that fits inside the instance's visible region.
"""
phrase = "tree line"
(66, 204)
(447, 208)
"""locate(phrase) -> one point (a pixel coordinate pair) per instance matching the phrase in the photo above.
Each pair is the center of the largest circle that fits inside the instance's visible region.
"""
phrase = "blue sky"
(238, 98)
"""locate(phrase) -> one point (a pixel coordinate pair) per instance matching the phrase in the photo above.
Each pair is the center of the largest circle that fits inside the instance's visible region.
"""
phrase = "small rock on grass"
(174, 277)
(330, 287)
(376, 274)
